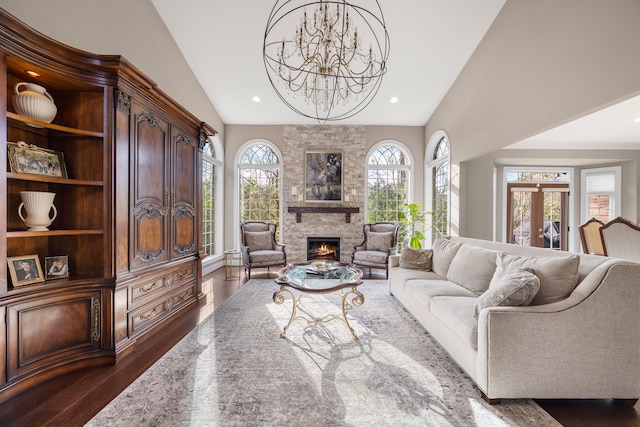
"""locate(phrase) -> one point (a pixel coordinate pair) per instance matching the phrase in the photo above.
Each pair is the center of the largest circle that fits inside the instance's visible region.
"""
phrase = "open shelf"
(63, 130)
(53, 179)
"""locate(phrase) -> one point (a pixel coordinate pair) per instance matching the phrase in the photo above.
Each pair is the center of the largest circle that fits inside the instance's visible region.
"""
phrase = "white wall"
(541, 64)
(131, 28)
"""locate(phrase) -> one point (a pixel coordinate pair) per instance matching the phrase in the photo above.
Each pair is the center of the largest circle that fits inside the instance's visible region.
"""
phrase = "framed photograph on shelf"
(56, 267)
(25, 270)
(323, 176)
(33, 160)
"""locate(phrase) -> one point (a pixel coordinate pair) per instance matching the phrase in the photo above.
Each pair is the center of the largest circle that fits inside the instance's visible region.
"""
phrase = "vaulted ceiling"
(431, 41)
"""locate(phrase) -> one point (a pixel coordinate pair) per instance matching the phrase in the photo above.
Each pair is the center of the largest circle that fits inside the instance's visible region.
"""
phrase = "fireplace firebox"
(327, 248)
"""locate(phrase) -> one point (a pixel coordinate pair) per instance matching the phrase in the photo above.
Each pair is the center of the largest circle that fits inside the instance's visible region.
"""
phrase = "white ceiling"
(612, 128)
(431, 41)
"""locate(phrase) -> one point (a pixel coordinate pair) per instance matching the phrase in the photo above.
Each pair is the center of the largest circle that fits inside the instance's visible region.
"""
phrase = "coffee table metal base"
(350, 298)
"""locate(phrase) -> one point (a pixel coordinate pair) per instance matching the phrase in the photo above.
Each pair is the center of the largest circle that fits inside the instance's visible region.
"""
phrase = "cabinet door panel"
(185, 150)
(150, 190)
(43, 331)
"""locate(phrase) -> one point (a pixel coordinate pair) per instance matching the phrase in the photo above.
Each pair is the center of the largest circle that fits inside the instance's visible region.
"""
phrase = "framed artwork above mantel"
(323, 176)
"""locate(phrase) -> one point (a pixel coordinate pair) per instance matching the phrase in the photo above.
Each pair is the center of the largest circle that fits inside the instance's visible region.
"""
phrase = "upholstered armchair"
(259, 246)
(380, 241)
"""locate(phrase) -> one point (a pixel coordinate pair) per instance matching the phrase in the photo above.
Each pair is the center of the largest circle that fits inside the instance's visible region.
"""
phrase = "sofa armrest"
(586, 346)
(394, 261)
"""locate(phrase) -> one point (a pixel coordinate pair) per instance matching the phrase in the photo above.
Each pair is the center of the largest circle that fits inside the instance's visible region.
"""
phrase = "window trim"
(236, 185)
(210, 262)
(617, 194)
(430, 164)
(411, 169)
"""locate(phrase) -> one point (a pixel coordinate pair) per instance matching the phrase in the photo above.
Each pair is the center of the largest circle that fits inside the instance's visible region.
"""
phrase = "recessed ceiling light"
(394, 100)
(256, 99)
(637, 120)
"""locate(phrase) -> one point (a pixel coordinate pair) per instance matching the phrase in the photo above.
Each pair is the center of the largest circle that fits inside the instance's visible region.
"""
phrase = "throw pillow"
(517, 288)
(558, 275)
(258, 240)
(443, 252)
(472, 268)
(379, 241)
(416, 259)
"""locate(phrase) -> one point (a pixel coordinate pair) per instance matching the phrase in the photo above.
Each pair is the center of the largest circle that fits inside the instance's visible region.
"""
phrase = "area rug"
(235, 370)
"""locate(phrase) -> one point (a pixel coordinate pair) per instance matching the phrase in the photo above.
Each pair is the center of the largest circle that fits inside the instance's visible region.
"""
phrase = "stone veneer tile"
(297, 140)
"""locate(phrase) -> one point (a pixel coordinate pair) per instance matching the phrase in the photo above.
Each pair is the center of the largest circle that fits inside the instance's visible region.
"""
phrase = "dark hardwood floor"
(73, 399)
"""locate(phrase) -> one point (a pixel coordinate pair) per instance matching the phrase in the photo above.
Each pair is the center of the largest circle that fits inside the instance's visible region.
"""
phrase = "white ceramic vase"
(38, 205)
(34, 102)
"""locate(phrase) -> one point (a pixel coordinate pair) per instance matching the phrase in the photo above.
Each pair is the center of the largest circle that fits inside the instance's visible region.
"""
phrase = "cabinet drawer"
(155, 312)
(147, 290)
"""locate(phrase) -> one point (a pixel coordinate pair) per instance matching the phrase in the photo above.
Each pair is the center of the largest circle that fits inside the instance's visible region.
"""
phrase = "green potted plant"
(413, 216)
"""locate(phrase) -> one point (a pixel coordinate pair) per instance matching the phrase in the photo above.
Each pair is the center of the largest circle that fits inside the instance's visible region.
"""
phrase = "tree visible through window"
(259, 173)
(209, 164)
(440, 182)
(388, 169)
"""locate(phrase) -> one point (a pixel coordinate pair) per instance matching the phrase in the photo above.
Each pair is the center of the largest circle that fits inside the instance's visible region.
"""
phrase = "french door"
(537, 215)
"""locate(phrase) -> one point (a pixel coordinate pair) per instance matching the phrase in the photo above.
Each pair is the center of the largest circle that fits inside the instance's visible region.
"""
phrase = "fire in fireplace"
(323, 248)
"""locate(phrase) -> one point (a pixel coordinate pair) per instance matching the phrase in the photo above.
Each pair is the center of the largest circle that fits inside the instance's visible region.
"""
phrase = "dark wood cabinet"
(128, 210)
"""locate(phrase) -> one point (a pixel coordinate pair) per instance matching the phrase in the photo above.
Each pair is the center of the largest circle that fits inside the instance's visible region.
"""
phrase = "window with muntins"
(388, 171)
(259, 170)
(209, 164)
(440, 188)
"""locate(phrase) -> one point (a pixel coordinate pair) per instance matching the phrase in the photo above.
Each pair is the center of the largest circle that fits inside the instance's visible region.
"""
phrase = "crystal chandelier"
(333, 65)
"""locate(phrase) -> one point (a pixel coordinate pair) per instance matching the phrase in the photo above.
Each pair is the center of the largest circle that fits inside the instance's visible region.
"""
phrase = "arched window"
(388, 173)
(259, 171)
(438, 165)
(212, 172)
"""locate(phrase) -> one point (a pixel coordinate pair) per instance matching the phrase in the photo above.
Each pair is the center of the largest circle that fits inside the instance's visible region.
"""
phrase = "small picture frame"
(56, 267)
(25, 270)
(323, 176)
(33, 160)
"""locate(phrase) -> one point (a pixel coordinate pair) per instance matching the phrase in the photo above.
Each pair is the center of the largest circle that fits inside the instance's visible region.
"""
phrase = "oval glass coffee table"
(319, 277)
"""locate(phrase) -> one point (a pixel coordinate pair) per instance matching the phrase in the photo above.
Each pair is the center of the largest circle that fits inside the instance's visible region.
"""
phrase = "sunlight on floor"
(207, 308)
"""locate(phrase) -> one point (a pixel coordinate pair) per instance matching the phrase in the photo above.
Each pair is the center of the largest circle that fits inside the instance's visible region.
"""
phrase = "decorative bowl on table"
(321, 266)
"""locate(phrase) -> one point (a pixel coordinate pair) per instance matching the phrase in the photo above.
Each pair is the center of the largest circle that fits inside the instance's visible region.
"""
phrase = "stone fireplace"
(325, 221)
(325, 248)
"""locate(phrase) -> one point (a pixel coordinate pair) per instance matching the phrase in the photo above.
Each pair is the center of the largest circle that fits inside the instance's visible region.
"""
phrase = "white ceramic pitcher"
(34, 102)
(38, 205)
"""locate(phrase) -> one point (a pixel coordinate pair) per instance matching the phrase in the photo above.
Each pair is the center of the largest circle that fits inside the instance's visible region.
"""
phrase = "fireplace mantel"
(299, 210)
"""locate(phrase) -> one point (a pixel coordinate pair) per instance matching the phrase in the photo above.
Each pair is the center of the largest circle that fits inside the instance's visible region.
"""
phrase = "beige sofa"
(579, 340)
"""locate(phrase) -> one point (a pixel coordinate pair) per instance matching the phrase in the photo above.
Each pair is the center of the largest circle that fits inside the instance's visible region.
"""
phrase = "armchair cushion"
(379, 241)
(258, 240)
(370, 258)
(514, 289)
(416, 259)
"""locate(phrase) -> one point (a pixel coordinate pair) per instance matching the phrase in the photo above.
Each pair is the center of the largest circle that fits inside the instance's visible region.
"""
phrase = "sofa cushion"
(416, 259)
(457, 313)
(258, 240)
(514, 289)
(473, 268)
(401, 275)
(379, 241)
(427, 289)
(443, 252)
(558, 275)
